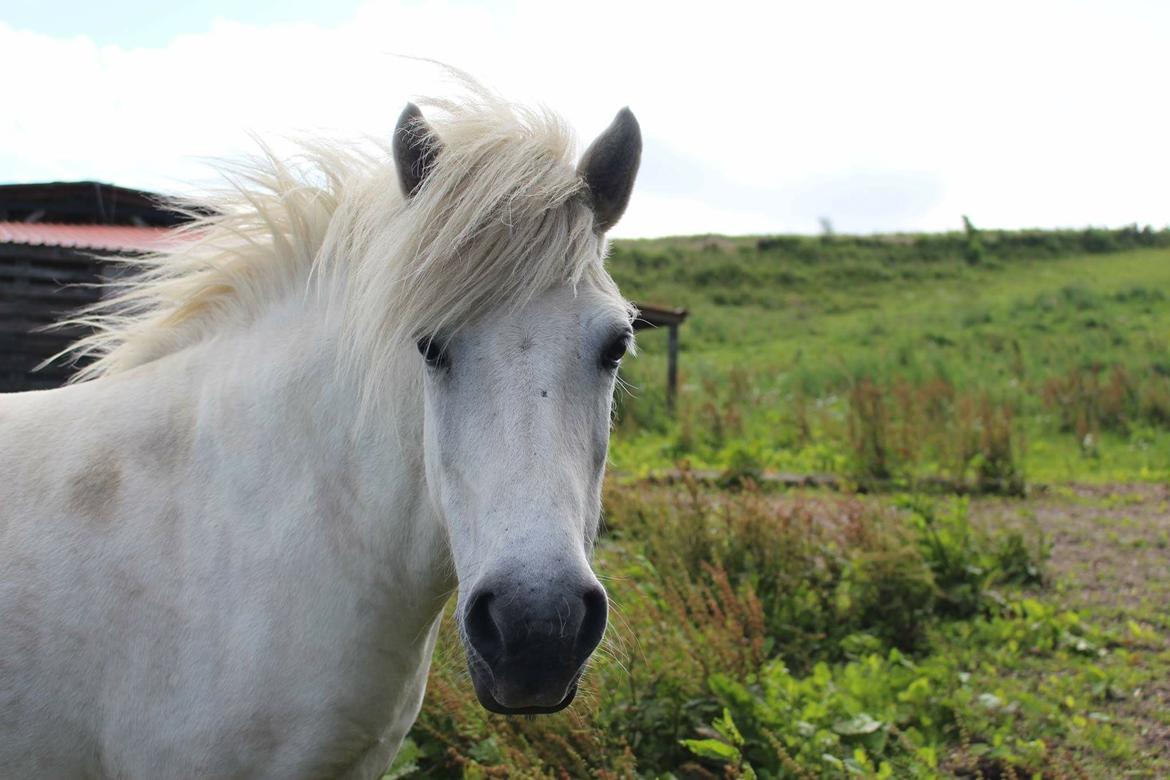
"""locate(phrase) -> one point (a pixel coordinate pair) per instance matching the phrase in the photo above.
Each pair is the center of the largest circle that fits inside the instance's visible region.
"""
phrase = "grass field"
(892, 366)
(983, 595)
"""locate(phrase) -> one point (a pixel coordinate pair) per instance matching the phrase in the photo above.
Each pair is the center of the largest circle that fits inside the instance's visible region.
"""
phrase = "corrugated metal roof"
(108, 238)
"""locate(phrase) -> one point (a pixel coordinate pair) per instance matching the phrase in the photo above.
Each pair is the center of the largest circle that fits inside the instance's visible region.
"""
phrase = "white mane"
(502, 216)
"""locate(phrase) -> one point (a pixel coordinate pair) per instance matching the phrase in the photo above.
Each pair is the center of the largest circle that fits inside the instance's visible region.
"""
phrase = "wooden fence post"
(672, 369)
(671, 319)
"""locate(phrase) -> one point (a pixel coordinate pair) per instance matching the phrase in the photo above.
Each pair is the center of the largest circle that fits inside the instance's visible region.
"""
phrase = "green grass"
(774, 344)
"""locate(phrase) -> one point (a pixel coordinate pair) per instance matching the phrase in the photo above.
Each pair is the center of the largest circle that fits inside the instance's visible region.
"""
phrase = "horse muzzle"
(527, 643)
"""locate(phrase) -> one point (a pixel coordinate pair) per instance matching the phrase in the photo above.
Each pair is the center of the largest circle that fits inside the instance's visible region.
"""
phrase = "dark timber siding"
(39, 285)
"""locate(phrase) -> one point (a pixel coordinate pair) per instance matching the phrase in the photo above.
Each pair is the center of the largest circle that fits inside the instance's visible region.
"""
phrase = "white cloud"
(762, 116)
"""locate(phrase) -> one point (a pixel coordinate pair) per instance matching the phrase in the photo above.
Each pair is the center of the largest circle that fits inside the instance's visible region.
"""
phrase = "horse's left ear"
(416, 147)
(609, 167)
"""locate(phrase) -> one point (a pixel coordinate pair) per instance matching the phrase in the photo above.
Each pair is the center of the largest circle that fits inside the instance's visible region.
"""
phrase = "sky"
(758, 117)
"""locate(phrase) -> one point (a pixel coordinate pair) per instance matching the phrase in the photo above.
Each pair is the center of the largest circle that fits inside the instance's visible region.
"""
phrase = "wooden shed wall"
(39, 285)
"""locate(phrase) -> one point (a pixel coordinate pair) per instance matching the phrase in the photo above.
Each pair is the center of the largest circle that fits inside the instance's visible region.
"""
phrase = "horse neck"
(359, 476)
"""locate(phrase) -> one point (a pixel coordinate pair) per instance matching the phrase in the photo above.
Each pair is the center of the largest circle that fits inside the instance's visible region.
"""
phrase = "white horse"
(225, 554)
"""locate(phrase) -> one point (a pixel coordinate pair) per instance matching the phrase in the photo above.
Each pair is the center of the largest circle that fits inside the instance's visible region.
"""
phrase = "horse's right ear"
(416, 147)
(609, 167)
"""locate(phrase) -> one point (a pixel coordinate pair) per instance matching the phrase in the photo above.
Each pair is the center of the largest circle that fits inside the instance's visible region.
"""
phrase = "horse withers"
(362, 382)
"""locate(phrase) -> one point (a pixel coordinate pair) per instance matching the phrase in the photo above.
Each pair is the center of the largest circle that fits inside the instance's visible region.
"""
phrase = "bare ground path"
(1111, 559)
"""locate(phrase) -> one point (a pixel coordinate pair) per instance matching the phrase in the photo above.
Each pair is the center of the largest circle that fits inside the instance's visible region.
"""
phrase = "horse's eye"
(614, 351)
(433, 352)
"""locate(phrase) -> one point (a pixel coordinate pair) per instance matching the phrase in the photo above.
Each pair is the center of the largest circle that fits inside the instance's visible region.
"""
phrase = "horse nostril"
(593, 624)
(482, 631)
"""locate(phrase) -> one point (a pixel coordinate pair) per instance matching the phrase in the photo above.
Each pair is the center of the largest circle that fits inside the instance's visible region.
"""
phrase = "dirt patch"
(1110, 550)
(1110, 545)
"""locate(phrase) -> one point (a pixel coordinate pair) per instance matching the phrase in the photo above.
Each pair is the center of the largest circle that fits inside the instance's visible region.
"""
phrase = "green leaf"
(487, 751)
(832, 761)
(405, 762)
(727, 729)
(857, 725)
(711, 748)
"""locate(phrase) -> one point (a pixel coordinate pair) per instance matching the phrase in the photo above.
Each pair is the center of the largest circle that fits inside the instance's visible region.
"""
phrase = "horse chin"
(489, 702)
